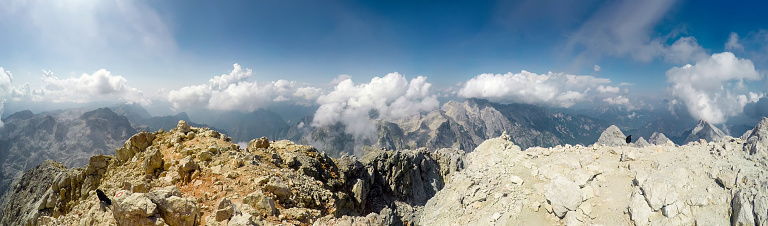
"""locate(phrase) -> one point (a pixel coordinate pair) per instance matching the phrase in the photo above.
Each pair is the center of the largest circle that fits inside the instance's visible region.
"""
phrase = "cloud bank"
(102, 85)
(552, 89)
(709, 89)
(86, 88)
(388, 97)
(233, 92)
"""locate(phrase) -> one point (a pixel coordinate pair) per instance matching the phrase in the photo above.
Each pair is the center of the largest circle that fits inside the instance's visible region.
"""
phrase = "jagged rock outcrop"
(192, 176)
(757, 140)
(612, 137)
(704, 131)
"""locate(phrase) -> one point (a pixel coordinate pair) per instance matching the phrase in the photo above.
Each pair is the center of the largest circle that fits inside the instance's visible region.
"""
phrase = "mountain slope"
(459, 125)
(68, 136)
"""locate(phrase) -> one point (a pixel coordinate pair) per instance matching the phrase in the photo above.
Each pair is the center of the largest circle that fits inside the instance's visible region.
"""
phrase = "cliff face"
(70, 137)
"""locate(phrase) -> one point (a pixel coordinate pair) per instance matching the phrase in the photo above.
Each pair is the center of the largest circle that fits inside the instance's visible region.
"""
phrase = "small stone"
(516, 179)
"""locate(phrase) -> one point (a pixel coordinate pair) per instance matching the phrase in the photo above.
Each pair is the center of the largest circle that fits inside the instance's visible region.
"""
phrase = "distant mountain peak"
(706, 131)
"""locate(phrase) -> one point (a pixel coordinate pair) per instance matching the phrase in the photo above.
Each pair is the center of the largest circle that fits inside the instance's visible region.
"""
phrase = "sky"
(395, 57)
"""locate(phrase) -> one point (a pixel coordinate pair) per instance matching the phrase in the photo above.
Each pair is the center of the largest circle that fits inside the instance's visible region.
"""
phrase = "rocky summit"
(196, 176)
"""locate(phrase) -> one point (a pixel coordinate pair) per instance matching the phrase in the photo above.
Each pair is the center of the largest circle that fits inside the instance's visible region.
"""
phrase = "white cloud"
(97, 86)
(340, 79)
(232, 92)
(733, 43)
(388, 97)
(237, 75)
(5, 87)
(607, 89)
(684, 50)
(553, 89)
(709, 88)
(596, 68)
(617, 100)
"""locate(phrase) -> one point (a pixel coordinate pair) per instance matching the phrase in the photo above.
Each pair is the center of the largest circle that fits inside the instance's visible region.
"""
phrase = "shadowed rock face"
(69, 136)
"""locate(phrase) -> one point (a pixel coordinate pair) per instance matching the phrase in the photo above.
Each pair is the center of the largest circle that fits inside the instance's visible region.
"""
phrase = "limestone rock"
(134, 209)
(225, 210)
(564, 195)
(612, 136)
(183, 127)
(186, 167)
(137, 143)
(660, 139)
(261, 203)
(757, 141)
(278, 187)
(152, 161)
(641, 142)
(262, 142)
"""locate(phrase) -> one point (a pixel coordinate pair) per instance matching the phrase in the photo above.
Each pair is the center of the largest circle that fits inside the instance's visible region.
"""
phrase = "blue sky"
(168, 45)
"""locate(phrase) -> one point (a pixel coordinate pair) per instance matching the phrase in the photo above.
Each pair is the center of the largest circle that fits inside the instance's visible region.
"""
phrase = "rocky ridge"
(191, 176)
(194, 176)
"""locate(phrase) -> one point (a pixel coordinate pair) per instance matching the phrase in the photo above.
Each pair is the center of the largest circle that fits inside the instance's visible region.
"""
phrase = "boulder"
(641, 142)
(137, 143)
(660, 139)
(134, 209)
(175, 209)
(186, 167)
(564, 195)
(262, 142)
(225, 210)
(152, 161)
(183, 127)
(278, 187)
(261, 203)
(612, 136)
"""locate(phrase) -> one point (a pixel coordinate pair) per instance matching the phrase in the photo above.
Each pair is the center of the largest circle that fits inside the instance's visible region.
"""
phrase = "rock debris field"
(196, 176)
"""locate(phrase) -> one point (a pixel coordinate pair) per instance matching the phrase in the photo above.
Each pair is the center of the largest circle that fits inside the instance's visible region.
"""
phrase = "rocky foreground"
(195, 176)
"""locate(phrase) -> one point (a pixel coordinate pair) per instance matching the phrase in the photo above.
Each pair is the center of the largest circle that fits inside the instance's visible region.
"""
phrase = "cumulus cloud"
(553, 89)
(733, 43)
(709, 89)
(617, 100)
(5, 86)
(86, 88)
(596, 68)
(607, 89)
(388, 97)
(232, 91)
(237, 75)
